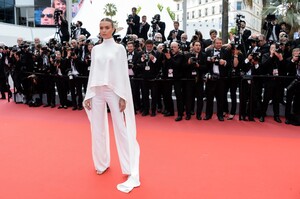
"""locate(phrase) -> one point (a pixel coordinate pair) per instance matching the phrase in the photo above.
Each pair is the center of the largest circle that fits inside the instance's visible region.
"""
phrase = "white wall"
(9, 33)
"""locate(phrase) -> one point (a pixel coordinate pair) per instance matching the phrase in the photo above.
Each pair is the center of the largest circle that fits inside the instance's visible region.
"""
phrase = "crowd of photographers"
(265, 68)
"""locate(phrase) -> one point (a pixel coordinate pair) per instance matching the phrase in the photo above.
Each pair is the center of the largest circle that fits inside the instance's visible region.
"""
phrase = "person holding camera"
(236, 61)
(63, 29)
(293, 88)
(272, 65)
(74, 71)
(61, 81)
(194, 71)
(133, 22)
(78, 30)
(217, 72)
(250, 95)
(272, 28)
(208, 43)
(133, 71)
(158, 26)
(172, 72)
(149, 65)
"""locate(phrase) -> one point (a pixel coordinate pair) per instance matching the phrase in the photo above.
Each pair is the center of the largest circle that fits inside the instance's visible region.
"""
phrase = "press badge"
(275, 72)
(194, 73)
(89, 68)
(147, 68)
(170, 73)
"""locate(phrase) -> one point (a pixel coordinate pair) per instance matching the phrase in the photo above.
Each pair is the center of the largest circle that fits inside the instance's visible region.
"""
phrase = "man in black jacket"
(215, 85)
(148, 64)
(173, 70)
(80, 31)
(144, 28)
(175, 35)
(133, 23)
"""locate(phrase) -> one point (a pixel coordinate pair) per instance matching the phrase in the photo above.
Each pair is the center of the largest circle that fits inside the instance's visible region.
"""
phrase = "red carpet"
(46, 154)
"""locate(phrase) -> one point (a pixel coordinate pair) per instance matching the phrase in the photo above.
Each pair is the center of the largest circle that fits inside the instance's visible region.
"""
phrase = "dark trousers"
(189, 96)
(62, 89)
(179, 96)
(136, 94)
(148, 85)
(293, 92)
(272, 92)
(167, 96)
(76, 91)
(231, 85)
(199, 95)
(49, 84)
(215, 88)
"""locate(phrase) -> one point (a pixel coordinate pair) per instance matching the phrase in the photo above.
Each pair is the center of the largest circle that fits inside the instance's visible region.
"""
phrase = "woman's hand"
(88, 104)
(122, 104)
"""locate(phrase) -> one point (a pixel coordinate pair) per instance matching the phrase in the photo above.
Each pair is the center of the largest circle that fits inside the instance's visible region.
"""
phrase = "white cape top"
(109, 67)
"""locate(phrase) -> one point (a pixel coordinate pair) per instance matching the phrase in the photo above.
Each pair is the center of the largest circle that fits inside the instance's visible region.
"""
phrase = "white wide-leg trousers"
(127, 146)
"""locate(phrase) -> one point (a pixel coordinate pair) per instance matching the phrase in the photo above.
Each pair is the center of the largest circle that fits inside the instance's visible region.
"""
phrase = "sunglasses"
(47, 15)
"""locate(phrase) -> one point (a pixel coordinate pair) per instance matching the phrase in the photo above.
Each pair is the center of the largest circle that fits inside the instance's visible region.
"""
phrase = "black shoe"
(277, 119)
(153, 114)
(145, 113)
(65, 107)
(168, 114)
(243, 118)
(80, 108)
(74, 108)
(159, 110)
(46, 105)
(179, 118)
(52, 105)
(207, 118)
(188, 117)
(199, 117)
(287, 121)
(262, 119)
(164, 112)
(192, 112)
(251, 119)
(60, 107)
(221, 118)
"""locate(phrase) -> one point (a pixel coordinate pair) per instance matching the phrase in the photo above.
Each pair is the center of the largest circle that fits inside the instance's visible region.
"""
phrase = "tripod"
(56, 35)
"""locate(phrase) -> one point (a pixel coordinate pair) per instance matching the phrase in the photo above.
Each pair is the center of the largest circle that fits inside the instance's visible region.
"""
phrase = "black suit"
(178, 37)
(269, 28)
(143, 33)
(64, 31)
(215, 87)
(134, 28)
(194, 84)
(83, 31)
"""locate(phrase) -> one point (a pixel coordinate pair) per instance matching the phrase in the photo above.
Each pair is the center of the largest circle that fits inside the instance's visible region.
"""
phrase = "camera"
(194, 59)
(166, 48)
(57, 14)
(238, 19)
(278, 47)
(129, 20)
(215, 59)
(130, 64)
(147, 57)
(256, 56)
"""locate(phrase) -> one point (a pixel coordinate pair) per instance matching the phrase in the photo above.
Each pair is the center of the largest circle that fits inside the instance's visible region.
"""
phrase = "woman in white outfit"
(109, 83)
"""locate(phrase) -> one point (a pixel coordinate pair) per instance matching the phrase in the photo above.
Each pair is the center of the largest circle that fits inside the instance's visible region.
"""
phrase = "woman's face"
(106, 29)
(58, 4)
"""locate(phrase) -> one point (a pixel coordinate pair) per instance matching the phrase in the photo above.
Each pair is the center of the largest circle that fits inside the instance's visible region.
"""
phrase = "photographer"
(184, 43)
(158, 26)
(272, 28)
(293, 89)
(149, 65)
(133, 71)
(249, 92)
(133, 22)
(194, 71)
(74, 71)
(63, 29)
(215, 85)
(78, 30)
(236, 61)
(48, 80)
(272, 65)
